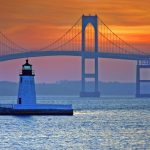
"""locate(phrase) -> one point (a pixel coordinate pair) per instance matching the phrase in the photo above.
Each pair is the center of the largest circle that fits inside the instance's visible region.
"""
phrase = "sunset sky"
(34, 23)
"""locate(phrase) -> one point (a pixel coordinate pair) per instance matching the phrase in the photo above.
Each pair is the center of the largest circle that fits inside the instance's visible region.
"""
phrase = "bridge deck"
(73, 53)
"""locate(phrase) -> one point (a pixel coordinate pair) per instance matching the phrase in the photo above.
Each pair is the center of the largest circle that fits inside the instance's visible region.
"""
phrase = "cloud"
(57, 12)
(36, 20)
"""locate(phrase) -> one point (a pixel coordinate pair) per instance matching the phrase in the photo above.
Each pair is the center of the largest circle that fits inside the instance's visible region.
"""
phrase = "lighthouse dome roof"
(27, 63)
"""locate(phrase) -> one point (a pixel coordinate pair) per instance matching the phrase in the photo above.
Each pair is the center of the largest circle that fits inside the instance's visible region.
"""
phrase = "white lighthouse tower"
(27, 94)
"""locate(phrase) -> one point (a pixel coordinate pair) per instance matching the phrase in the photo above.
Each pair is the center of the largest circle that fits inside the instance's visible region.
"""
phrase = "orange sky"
(38, 21)
(33, 23)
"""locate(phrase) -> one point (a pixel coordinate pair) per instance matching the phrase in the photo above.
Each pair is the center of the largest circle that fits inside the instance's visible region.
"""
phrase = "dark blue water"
(98, 124)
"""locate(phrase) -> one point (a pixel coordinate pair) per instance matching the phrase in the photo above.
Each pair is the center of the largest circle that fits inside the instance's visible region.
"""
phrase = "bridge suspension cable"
(70, 40)
(8, 46)
(109, 42)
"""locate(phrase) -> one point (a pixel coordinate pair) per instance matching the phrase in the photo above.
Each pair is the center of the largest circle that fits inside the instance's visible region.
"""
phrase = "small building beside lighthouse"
(26, 93)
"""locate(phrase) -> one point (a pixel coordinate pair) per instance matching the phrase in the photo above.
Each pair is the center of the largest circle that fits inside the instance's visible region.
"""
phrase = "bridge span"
(88, 38)
(134, 57)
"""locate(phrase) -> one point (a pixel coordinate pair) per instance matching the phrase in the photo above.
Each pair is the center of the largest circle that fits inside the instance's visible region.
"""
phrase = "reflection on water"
(106, 123)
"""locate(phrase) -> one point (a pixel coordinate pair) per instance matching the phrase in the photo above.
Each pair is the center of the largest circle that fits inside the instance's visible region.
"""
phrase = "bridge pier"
(94, 75)
(141, 64)
(89, 55)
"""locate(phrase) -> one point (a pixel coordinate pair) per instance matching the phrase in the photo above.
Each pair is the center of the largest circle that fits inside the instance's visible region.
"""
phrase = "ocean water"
(117, 123)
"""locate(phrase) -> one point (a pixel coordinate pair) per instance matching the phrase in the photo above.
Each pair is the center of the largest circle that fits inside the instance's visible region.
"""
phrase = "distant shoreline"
(8, 88)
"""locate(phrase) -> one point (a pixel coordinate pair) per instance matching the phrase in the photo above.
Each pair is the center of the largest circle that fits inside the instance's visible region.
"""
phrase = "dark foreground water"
(97, 124)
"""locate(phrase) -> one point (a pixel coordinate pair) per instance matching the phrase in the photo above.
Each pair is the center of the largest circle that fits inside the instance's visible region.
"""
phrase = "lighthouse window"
(27, 67)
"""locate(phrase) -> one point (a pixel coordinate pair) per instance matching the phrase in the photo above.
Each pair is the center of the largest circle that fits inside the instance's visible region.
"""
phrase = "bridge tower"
(141, 64)
(89, 55)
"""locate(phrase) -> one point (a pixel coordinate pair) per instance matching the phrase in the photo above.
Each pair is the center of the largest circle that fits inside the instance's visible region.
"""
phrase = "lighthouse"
(26, 102)
(26, 93)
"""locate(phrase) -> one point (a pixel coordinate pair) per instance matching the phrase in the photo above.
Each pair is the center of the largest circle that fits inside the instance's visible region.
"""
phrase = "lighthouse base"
(37, 109)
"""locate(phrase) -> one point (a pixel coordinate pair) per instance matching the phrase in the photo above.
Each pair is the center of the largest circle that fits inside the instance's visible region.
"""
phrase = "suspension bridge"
(91, 39)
